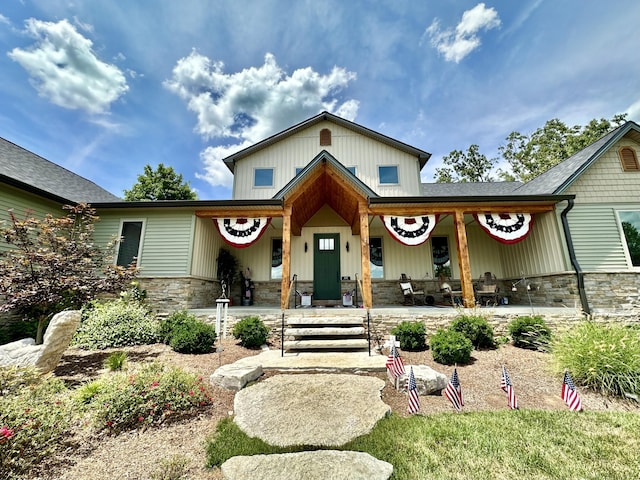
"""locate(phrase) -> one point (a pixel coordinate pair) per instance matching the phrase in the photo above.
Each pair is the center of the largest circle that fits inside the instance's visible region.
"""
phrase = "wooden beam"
(232, 213)
(365, 254)
(416, 210)
(463, 260)
(286, 257)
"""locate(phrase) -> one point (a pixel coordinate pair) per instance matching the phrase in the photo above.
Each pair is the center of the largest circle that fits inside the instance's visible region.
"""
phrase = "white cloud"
(4, 20)
(457, 44)
(65, 70)
(633, 112)
(254, 103)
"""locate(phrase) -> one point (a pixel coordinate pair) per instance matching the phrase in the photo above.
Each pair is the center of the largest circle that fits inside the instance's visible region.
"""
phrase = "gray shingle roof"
(469, 189)
(32, 172)
(558, 178)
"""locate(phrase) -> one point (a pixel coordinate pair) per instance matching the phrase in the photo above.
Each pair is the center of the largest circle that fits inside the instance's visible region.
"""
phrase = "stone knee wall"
(617, 292)
(167, 295)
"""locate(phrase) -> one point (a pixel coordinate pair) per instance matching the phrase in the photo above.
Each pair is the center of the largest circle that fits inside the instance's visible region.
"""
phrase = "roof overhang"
(36, 191)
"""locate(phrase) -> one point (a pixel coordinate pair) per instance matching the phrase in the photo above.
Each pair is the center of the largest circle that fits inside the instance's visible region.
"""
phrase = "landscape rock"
(330, 409)
(24, 353)
(317, 465)
(235, 377)
(428, 381)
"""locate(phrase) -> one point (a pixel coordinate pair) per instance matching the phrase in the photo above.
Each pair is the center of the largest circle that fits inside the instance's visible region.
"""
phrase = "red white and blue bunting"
(410, 231)
(506, 227)
(241, 232)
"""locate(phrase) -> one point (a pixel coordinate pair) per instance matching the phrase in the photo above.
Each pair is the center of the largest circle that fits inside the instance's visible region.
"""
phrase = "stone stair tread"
(350, 343)
(338, 320)
(324, 331)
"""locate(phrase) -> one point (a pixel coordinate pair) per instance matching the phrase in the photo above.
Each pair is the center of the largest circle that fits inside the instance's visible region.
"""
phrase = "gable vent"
(325, 137)
(629, 159)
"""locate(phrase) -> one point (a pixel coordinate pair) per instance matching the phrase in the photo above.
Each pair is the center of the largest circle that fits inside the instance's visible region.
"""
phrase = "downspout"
(574, 260)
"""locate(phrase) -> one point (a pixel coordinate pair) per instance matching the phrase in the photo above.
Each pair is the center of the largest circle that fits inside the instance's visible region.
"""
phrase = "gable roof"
(326, 116)
(559, 177)
(28, 171)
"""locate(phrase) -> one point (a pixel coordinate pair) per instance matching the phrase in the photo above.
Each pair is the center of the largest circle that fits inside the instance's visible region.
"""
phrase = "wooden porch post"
(463, 260)
(364, 249)
(286, 257)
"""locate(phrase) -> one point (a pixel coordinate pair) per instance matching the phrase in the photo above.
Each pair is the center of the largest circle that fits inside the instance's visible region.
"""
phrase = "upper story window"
(263, 177)
(129, 245)
(352, 169)
(325, 137)
(388, 174)
(629, 159)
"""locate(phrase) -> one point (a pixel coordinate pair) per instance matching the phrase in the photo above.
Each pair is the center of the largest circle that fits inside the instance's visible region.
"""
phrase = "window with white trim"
(388, 174)
(263, 177)
(130, 242)
(375, 257)
(630, 221)
(276, 258)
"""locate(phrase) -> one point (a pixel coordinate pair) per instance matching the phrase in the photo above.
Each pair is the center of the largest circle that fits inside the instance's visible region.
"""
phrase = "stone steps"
(326, 332)
(341, 320)
(327, 344)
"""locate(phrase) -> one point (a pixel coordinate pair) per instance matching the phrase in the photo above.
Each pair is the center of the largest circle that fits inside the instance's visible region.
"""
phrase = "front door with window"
(326, 266)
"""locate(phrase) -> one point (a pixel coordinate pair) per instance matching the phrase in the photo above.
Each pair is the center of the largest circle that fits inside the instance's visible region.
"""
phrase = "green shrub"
(115, 324)
(146, 397)
(602, 357)
(167, 325)
(449, 347)
(251, 331)
(475, 329)
(411, 335)
(35, 417)
(530, 332)
(193, 337)
(116, 361)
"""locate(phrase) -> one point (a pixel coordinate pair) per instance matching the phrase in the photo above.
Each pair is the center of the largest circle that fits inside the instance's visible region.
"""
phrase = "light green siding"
(23, 204)
(166, 244)
(206, 246)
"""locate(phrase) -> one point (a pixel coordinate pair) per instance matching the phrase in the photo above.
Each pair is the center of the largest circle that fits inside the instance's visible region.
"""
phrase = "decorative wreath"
(506, 227)
(241, 232)
(411, 231)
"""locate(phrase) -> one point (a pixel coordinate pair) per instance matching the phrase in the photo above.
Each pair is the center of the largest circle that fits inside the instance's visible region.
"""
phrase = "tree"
(471, 166)
(162, 184)
(54, 264)
(529, 156)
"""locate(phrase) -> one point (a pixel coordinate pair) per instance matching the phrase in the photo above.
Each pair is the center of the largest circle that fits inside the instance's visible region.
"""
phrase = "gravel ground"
(140, 453)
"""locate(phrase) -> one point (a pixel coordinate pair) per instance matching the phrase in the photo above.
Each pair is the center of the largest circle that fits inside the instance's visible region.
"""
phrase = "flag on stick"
(505, 384)
(454, 391)
(395, 365)
(412, 388)
(570, 394)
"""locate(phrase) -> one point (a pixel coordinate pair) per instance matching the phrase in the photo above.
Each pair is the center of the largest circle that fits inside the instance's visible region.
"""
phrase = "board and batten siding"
(349, 148)
(206, 245)
(24, 204)
(167, 242)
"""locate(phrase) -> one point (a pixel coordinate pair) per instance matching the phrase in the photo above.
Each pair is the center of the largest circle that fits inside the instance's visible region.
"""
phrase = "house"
(339, 207)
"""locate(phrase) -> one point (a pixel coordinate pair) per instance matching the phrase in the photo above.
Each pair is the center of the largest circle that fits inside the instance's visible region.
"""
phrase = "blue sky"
(104, 87)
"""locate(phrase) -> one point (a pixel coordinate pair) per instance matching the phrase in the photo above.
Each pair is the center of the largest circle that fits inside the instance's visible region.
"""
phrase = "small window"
(263, 177)
(629, 159)
(276, 258)
(325, 137)
(298, 170)
(326, 244)
(352, 169)
(388, 174)
(375, 257)
(129, 246)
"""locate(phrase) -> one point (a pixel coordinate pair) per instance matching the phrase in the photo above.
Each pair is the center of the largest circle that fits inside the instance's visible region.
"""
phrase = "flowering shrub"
(148, 396)
(34, 419)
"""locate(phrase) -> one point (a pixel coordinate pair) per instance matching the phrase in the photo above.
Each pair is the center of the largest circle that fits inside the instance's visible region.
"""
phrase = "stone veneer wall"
(619, 292)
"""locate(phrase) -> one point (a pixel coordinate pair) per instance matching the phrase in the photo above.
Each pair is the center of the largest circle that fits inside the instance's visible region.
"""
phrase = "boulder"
(24, 353)
(235, 377)
(428, 381)
(317, 465)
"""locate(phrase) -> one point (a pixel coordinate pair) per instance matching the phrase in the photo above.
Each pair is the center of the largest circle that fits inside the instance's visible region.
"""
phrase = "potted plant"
(227, 267)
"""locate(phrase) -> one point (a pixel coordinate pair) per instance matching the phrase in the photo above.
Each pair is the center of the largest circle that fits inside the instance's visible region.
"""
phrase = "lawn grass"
(528, 444)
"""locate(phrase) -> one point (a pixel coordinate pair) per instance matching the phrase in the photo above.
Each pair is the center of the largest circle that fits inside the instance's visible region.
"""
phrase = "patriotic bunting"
(506, 227)
(412, 388)
(394, 364)
(505, 384)
(454, 391)
(241, 232)
(410, 231)
(570, 394)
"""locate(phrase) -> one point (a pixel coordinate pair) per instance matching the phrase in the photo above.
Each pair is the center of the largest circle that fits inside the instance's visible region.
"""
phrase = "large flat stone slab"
(318, 465)
(428, 381)
(317, 361)
(320, 409)
(235, 377)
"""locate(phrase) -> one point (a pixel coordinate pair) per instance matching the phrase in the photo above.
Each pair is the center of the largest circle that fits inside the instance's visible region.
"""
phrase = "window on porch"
(276, 258)
(441, 257)
(375, 257)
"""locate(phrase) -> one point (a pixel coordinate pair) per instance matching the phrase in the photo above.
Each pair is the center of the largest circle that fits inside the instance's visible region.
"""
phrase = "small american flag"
(412, 388)
(505, 384)
(395, 365)
(570, 394)
(454, 391)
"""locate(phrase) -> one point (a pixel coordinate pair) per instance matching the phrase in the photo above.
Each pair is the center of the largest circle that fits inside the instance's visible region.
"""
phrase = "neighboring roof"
(326, 116)
(31, 172)
(466, 189)
(558, 178)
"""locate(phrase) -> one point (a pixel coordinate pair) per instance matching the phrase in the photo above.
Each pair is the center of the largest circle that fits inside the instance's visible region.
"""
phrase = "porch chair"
(455, 296)
(487, 289)
(410, 295)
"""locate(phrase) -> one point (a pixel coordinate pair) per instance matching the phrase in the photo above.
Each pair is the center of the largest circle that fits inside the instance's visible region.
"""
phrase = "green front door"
(326, 266)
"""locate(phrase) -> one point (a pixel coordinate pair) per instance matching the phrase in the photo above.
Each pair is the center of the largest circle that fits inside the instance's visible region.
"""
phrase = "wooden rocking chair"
(487, 289)
(410, 295)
